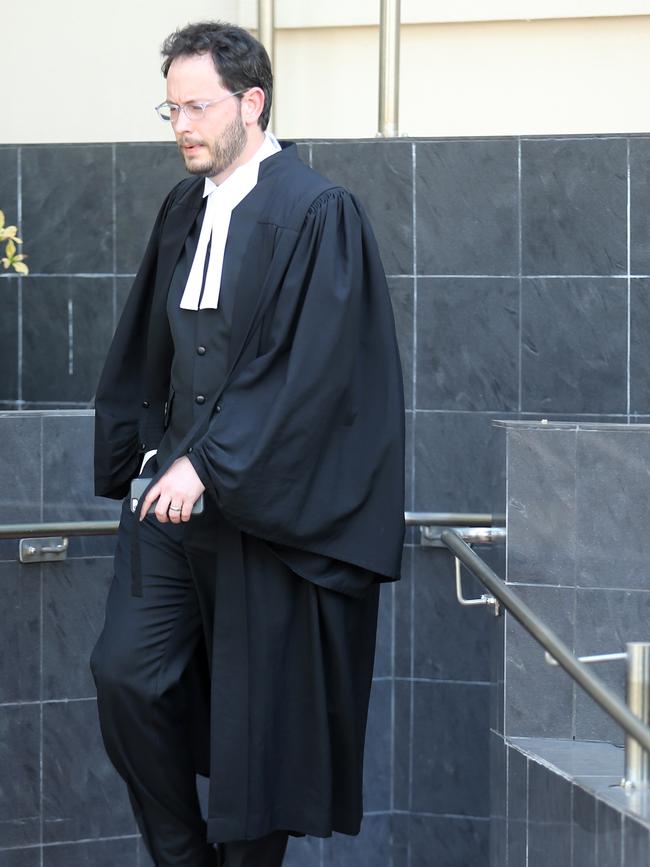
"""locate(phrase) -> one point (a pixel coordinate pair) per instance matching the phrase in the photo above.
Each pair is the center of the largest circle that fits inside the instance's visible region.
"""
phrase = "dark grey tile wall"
(509, 266)
(552, 819)
(58, 787)
(578, 555)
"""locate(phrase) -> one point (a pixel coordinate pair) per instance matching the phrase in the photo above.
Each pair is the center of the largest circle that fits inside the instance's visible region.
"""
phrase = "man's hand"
(176, 492)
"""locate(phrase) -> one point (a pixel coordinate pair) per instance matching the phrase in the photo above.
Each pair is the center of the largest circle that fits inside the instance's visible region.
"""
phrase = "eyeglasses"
(169, 111)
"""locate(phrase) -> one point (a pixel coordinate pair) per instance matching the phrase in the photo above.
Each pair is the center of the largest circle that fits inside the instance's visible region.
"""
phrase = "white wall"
(91, 72)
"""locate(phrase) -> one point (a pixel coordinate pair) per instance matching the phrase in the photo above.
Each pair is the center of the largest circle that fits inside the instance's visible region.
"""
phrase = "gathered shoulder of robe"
(305, 445)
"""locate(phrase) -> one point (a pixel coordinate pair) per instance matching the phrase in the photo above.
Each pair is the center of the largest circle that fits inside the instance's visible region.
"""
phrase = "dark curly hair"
(240, 60)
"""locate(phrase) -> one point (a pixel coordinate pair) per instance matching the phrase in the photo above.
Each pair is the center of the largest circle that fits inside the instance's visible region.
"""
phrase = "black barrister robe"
(304, 450)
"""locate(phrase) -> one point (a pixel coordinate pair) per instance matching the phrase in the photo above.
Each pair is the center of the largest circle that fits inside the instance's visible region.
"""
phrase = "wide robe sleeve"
(306, 446)
(119, 391)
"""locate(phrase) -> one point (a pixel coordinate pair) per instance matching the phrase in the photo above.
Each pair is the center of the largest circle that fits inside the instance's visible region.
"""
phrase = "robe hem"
(226, 829)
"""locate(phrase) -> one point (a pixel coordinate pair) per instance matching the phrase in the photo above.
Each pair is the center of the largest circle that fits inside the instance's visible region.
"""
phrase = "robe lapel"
(245, 268)
(178, 223)
(177, 226)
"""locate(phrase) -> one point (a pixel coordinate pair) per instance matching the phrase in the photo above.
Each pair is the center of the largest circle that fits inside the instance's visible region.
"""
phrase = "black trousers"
(142, 663)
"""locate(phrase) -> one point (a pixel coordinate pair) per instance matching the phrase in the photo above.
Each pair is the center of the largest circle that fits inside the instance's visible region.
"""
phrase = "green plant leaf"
(20, 267)
(10, 249)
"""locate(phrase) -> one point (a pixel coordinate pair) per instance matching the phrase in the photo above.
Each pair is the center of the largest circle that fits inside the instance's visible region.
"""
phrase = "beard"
(222, 152)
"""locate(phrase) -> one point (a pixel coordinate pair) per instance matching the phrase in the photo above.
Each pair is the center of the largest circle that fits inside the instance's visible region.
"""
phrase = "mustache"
(188, 142)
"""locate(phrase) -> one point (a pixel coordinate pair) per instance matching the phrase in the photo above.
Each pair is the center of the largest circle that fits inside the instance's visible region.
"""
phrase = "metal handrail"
(451, 519)
(58, 528)
(577, 670)
(106, 528)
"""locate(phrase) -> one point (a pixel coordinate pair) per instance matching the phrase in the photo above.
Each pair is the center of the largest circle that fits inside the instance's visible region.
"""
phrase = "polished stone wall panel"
(9, 292)
(454, 840)
(574, 346)
(21, 857)
(608, 836)
(546, 710)
(541, 510)
(371, 847)
(574, 206)
(69, 219)
(549, 818)
(613, 545)
(452, 471)
(67, 327)
(639, 197)
(583, 828)
(83, 796)
(68, 493)
(639, 345)
(402, 745)
(74, 598)
(605, 621)
(517, 809)
(144, 175)
(19, 760)
(466, 207)
(384, 646)
(20, 468)
(99, 853)
(449, 642)
(380, 173)
(401, 294)
(403, 617)
(20, 590)
(9, 185)
(636, 843)
(458, 368)
(498, 798)
(303, 852)
(450, 747)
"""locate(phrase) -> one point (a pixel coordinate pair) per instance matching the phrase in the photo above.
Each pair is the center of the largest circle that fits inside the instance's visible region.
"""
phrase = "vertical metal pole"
(266, 35)
(637, 760)
(389, 32)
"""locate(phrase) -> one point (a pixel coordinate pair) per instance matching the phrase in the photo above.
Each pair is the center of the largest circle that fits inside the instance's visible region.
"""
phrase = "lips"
(191, 148)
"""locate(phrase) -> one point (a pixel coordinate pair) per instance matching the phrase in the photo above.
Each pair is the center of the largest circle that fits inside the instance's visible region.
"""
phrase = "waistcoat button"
(200, 398)
(200, 350)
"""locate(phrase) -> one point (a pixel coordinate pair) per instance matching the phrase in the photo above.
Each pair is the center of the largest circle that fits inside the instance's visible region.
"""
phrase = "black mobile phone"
(137, 489)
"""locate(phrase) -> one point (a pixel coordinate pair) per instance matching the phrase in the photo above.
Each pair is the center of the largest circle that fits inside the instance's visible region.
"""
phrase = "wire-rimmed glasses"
(170, 111)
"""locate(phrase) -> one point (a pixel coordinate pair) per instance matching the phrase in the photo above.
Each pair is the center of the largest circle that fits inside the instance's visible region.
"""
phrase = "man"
(255, 363)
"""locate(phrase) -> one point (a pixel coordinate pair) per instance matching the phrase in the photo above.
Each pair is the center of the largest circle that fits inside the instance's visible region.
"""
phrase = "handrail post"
(389, 33)
(637, 760)
(266, 35)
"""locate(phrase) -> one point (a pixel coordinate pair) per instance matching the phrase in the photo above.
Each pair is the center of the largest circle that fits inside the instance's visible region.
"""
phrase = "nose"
(182, 124)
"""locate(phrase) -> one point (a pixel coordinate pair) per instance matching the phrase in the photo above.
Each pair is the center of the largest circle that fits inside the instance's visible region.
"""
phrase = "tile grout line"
(45, 701)
(55, 843)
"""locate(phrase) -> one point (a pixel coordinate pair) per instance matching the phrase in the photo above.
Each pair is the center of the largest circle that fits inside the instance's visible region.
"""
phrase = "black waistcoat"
(201, 340)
